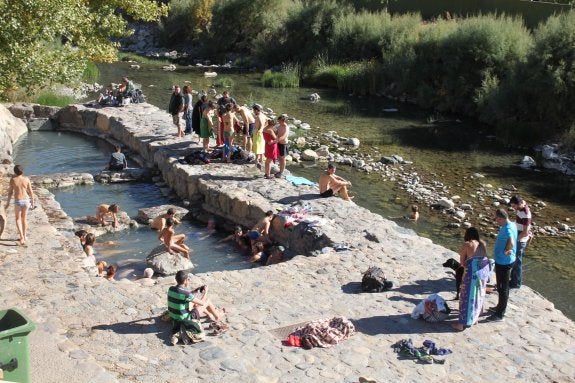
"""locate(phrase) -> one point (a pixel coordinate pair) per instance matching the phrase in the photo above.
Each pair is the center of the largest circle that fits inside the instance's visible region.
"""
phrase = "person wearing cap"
(258, 142)
(331, 184)
(180, 298)
(282, 141)
(523, 223)
(176, 109)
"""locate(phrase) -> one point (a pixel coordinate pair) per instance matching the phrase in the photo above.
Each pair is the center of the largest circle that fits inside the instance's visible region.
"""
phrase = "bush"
(223, 82)
(91, 73)
(186, 21)
(127, 56)
(287, 78)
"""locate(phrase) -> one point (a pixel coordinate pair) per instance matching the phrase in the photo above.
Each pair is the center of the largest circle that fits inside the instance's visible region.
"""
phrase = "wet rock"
(126, 175)
(164, 263)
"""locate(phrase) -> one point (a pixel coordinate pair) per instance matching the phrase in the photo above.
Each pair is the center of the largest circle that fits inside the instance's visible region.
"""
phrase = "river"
(448, 152)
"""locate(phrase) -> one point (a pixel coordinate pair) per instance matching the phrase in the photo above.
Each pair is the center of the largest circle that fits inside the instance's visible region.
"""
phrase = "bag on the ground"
(191, 331)
(197, 157)
(431, 309)
(374, 281)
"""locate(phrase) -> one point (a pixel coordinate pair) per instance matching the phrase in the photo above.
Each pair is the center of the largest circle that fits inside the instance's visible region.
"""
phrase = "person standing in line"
(282, 140)
(222, 102)
(207, 124)
(176, 109)
(199, 107)
(230, 120)
(258, 142)
(249, 125)
(21, 187)
(505, 249)
(271, 147)
(523, 222)
(188, 108)
(117, 160)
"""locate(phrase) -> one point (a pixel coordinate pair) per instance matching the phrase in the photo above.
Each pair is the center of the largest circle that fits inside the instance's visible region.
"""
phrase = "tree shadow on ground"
(399, 324)
(301, 197)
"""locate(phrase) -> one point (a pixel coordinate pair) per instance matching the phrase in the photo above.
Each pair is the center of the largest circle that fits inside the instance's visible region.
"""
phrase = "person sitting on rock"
(174, 242)
(330, 184)
(103, 210)
(160, 221)
(179, 299)
(118, 160)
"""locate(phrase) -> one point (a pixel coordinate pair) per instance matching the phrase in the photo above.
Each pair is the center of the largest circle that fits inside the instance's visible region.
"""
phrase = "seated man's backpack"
(374, 281)
(191, 331)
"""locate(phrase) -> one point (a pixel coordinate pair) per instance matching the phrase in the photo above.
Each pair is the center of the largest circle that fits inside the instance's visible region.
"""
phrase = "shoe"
(175, 339)
(259, 166)
(279, 175)
(494, 318)
(269, 177)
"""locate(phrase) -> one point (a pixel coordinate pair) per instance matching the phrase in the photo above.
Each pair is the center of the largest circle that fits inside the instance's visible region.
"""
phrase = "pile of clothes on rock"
(322, 333)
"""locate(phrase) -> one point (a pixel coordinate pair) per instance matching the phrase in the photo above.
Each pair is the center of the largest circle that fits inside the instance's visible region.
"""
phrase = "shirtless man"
(103, 210)
(330, 184)
(21, 188)
(283, 148)
(249, 125)
(230, 120)
(160, 221)
(260, 232)
(174, 242)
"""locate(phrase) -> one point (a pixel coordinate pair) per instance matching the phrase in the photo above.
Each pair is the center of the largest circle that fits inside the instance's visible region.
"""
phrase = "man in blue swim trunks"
(330, 184)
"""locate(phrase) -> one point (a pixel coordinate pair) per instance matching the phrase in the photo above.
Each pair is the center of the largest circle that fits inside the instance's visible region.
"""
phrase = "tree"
(50, 41)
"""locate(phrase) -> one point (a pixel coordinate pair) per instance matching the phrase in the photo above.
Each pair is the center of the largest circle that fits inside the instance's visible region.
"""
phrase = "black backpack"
(374, 281)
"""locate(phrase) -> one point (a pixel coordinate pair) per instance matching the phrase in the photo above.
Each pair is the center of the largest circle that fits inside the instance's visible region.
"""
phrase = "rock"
(126, 175)
(300, 141)
(147, 214)
(388, 160)
(459, 214)
(527, 162)
(353, 142)
(563, 227)
(358, 163)
(466, 206)
(445, 203)
(305, 126)
(309, 155)
(165, 263)
(322, 151)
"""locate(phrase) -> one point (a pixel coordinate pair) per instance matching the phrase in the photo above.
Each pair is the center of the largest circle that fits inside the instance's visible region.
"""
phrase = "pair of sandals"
(218, 328)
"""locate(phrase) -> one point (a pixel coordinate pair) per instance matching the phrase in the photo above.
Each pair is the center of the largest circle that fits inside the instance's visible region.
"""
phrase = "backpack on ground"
(191, 331)
(374, 281)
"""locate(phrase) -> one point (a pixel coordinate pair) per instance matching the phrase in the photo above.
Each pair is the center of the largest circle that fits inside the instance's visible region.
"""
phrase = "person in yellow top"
(21, 188)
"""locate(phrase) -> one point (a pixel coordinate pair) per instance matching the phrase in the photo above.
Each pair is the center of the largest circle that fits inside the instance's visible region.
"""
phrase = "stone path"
(93, 330)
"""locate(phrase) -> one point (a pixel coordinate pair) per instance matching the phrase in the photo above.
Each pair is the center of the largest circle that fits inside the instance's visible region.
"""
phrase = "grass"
(91, 73)
(52, 99)
(223, 82)
(126, 56)
(287, 78)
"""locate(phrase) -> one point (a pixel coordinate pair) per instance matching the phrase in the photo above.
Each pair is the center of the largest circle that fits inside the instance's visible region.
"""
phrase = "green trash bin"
(14, 355)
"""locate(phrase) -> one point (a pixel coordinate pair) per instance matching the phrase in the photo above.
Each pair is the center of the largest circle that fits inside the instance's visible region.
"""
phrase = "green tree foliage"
(538, 100)
(47, 41)
(187, 20)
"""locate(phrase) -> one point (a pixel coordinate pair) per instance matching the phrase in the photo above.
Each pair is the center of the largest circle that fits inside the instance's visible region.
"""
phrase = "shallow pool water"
(52, 152)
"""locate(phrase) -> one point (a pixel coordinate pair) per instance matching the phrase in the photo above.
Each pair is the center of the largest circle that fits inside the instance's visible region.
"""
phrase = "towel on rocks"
(324, 332)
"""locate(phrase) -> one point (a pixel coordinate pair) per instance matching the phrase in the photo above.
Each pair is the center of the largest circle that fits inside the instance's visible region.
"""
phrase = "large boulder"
(147, 214)
(165, 263)
(309, 155)
(126, 175)
(11, 128)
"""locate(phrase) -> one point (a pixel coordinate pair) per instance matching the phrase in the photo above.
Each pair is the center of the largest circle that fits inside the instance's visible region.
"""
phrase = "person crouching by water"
(174, 242)
(179, 299)
(21, 188)
(331, 184)
(104, 210)
(118, 160)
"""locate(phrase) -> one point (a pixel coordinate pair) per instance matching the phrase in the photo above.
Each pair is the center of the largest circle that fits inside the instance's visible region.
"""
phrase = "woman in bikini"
(21, 188)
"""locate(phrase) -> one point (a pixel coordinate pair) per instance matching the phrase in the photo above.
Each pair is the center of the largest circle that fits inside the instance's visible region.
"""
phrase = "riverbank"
(111, 332)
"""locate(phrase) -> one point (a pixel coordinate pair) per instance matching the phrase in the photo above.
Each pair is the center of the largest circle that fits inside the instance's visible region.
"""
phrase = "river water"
(449, 152)
(52, 152)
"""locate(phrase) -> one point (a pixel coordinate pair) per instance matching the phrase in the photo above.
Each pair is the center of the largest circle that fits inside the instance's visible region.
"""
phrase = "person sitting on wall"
(118, 160)
(331, 184)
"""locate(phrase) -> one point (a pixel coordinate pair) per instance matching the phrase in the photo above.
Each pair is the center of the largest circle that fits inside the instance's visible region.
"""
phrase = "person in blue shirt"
(505, 250)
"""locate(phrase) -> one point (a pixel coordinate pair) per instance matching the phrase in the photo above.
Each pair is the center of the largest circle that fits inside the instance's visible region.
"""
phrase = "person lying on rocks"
(185, 305)
(160, 221)
(104, 210)
(241, 239)
(331, 184)
(174, 242)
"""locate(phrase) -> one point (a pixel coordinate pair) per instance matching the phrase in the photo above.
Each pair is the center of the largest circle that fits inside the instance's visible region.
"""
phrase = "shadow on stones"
(224, 178)
(301, 197)
(398, 324)
(426, 286)
(352, 288)
(151, 325)
(397, 298)
(9, 242)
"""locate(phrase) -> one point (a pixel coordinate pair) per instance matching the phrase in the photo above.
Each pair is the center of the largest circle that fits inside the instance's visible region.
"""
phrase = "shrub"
(186, 21)
(223, 82)
(91, 73)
